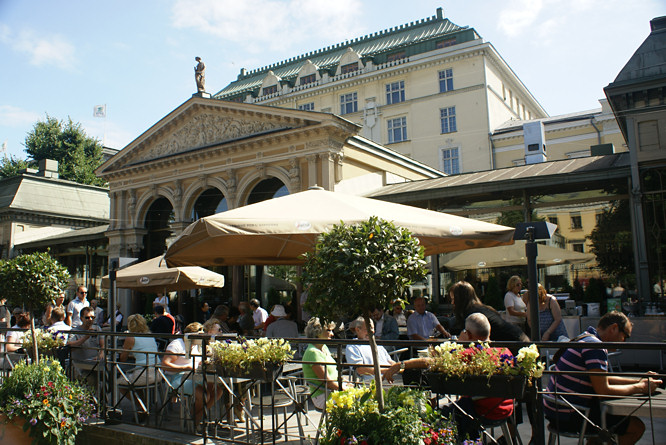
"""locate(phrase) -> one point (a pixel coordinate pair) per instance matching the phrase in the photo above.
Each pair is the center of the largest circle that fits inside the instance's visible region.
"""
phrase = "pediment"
(201, 124)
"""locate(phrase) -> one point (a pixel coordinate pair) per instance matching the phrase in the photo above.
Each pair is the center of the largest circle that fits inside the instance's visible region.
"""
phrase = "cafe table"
(653, 406)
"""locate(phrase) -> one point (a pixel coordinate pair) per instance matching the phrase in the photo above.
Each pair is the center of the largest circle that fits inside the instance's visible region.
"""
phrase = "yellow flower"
(46, 402)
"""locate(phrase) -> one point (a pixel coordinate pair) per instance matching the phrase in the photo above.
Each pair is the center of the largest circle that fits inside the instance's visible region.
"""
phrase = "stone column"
(312, 170)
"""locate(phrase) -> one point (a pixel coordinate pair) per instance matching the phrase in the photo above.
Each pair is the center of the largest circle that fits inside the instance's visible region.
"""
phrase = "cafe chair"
(589, 429)
(141, 391)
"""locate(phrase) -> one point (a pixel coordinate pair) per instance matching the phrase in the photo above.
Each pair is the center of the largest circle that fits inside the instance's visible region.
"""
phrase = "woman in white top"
(162, 300)
(515, 306)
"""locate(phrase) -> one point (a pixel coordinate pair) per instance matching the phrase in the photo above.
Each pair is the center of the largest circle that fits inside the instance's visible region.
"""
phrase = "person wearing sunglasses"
(612, 327)
(74, 307)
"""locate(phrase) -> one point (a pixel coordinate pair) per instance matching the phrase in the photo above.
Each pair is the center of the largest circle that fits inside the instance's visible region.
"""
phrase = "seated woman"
(15, 338)
(322, 378)
(143, 349)
(551, 326)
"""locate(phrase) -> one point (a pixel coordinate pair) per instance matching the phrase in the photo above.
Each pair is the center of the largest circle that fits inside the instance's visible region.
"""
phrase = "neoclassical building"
(209, 155)
(429, 89)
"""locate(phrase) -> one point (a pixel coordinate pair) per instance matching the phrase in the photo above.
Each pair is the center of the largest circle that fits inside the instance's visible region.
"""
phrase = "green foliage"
(52, 407)
(78, 154)
(353, 417)
(32, 280)
(612, 240)
(11, 166)
(494, 296)
(595, 291)
(577, 293)
(511, 218)
(355, 268)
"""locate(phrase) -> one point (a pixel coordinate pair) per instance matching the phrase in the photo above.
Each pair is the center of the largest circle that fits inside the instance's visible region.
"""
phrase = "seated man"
(87, 350)
(612, 327)
(282, 327)
(362, 354)
(421, 324)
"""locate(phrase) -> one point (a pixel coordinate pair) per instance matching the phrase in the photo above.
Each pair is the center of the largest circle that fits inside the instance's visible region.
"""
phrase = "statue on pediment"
(200, 75)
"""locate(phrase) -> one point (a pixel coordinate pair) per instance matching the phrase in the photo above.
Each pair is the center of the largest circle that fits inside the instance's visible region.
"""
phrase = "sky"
(64, 57)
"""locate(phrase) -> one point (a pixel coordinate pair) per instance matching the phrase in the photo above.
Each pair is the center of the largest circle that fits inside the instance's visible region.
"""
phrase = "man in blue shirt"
(421, 323)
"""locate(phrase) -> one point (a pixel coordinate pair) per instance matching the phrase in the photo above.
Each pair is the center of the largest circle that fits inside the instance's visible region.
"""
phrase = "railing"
(154, 398)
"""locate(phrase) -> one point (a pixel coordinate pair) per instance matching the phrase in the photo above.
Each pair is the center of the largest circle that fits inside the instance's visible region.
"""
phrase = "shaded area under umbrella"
(280, 230)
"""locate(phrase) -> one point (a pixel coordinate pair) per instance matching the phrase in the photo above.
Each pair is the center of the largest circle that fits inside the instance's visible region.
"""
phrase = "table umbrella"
(513, 255)
(153, 275)
(280, 230)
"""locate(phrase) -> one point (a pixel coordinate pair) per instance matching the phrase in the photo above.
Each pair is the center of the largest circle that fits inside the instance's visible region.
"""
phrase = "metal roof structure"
(548, 178)
(415, 35)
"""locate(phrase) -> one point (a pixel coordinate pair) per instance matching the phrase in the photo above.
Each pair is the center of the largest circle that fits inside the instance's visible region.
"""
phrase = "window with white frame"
(395, 92)
(448, 118)
(446, 80)
(450, 161)
(307, 107)
(348, 103)
(397, 130)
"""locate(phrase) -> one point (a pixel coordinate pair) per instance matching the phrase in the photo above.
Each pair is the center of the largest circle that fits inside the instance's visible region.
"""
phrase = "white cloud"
(16, 117)
(257, 25)
(42, 50)
(519, 15)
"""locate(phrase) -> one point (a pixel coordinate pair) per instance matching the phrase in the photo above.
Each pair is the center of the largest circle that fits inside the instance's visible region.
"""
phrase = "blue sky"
(137, 57)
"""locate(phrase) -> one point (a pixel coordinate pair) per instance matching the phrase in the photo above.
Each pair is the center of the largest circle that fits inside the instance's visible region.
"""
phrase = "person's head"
(463, 297)
(60, 298)
(359, 327)
(377, 313)
(23, 320)
(221, 312)
(204, 307)
(87, 316)
(159, 310)
(193, 328)
(93, 303)
(212, 327)
(136, 323)
(514, 284)
(58, 314)
(614, 326)
(316, 329)
(477, 328)
(244, 307)
(420, 305)
(398, 306)
(278, 311)
(254, 304)
(542, 293)
(82, 292)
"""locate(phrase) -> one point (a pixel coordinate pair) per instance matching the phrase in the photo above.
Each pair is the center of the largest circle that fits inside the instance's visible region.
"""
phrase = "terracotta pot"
(12, 432)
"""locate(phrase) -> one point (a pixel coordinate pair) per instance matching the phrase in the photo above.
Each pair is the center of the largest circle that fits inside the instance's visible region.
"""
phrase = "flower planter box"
(267, 373)
(504, 386)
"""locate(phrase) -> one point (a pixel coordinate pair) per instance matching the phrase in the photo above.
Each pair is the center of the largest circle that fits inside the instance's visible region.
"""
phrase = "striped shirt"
(576, 360)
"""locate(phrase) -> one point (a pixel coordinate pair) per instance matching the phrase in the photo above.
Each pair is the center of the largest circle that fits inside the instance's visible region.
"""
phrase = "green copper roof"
(413, 38)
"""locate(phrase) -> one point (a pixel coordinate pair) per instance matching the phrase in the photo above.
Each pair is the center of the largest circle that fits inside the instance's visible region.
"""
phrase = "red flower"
(50, 384)
(364, 442)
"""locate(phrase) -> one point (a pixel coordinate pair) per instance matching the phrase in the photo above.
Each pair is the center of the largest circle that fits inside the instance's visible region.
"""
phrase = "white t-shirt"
(517, 303)
(162, 301)
(259, 316)
(74, 307)
(177, 348)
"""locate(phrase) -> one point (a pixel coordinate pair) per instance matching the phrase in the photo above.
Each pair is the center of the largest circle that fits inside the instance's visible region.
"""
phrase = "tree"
(612, 240)
(12, 166)
(78, 154)
(33, 280)
(511, 218)
(355, 268)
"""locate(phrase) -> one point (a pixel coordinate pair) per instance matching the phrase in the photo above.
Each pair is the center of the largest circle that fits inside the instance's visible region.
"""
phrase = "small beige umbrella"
(153, 275)
(280, 230)
(513, 255)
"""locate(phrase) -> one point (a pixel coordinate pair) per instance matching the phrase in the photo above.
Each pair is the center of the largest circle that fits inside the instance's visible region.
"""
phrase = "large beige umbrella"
(513, 255)
(280, 230)
(153, 275)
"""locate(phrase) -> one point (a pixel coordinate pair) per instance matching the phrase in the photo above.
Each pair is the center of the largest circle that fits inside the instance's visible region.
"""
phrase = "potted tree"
(356, 268)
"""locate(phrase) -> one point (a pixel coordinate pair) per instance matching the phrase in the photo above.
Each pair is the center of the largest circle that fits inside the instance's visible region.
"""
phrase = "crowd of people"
(81, 321)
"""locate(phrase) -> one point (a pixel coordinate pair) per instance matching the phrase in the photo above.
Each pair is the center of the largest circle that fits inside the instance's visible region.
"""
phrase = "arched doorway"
(158, 222)
(267, 189)
(255, 279)
(208, 203)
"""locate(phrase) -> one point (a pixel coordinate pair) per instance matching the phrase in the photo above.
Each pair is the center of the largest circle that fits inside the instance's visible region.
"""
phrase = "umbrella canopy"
(153, 275)
(280, 230)
(513, 255)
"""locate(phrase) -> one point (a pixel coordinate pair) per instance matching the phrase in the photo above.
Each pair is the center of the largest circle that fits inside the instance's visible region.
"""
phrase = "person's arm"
(557, 318)
(621, 386)
(80, 339)
(509, 304)
(100, 353)
(11, 345)
(415, 363)
(320, 372)
(443, 331)
(127, 347)
(392, 332)
(169, 362)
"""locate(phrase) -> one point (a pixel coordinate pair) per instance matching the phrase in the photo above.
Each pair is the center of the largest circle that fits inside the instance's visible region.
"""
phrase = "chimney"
(48, 168)
(534, 138)
(440, 13)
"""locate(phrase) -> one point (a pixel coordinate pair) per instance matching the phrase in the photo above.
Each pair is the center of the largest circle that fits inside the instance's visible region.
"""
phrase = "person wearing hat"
(282, 327)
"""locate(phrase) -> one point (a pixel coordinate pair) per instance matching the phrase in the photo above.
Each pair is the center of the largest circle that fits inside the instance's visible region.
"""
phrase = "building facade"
(430, 89)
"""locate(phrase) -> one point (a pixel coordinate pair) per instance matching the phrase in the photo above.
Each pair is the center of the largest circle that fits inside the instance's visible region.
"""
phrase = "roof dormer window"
(350, 67)
(312, 78)
(269, 90)
(270, 84)
(349, 62)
